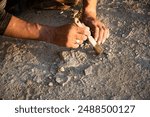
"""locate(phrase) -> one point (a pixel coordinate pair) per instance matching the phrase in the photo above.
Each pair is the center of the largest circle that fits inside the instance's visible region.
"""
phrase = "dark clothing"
(4, 17)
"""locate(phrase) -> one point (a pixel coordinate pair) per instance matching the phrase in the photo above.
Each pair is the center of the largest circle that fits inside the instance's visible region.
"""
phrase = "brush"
(98, 48)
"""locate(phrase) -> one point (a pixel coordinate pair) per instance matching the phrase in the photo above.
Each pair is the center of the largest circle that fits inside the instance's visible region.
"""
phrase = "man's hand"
(69, 35)
(98, 29)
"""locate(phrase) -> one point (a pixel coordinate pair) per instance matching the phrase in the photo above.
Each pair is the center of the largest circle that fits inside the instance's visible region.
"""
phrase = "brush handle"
(97, 47)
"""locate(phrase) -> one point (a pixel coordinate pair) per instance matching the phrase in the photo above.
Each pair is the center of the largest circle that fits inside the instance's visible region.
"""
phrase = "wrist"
(46, 33)
(89, 8)
(89, 15)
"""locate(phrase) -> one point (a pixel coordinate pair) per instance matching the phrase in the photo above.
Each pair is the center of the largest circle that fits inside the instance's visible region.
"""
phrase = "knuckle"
(107, 29)
(87, 28)
(84, 37)
(75, 46)
(101, 31)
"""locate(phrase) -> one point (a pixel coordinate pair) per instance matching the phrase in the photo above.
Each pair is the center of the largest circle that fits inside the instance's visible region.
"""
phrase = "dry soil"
(37, 70)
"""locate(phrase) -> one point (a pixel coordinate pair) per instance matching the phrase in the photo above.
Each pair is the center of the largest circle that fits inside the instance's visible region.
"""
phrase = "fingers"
(82, 34)
(96, 34)
(80, 38)
(76, 45)
(77, 40)
(84, 30)
(101, 33)
(77, 35)
(106, 34)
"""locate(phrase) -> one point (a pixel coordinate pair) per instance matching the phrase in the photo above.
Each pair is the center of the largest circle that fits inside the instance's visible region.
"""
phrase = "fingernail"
(88, 28)
(96, 38)
(108, 36)
(88, 33)
(103, 41)
(85, 39)
(77, 41)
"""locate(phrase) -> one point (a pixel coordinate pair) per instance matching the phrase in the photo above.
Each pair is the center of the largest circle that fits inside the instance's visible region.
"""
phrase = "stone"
(73, 58)
(29, 82)
(67, 81)
(60, 78)
(119, 53)
(61, 69)
(44, 72)
(33, 70)
(61, 12)
(88, 70)
(50, 84)
(119, 24)
(123, 35)
(38, 79)
(12, 81)
(101, 59)
(75, 77)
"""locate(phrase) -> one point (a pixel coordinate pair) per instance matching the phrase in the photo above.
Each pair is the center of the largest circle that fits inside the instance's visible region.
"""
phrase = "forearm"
(19, 28)
(89, 8)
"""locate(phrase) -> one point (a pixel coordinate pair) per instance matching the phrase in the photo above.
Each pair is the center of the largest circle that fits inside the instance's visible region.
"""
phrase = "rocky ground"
(37, 70)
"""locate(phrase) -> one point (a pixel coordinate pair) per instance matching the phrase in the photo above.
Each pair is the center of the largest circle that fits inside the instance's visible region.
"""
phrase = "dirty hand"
(69, 35)
(98, 29)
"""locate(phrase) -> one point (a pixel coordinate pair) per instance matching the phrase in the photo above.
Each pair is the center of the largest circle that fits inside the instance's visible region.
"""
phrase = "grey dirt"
(37, 70)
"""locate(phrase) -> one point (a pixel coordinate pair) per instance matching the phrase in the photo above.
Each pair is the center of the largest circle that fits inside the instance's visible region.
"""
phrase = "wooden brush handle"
(97, 47)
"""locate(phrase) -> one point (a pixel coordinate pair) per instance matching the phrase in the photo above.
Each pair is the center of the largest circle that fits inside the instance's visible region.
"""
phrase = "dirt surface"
(37, 70)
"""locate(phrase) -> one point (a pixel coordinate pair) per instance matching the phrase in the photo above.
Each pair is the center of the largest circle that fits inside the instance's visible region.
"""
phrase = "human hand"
(98, 29)
(69, 35)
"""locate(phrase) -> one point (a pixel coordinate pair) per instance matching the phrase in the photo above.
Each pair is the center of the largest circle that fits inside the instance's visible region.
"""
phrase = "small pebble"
(12, 81)
(61, 69)
(38, 80)
(120, 53)
(92, 86)
(59, 80)
(61, 12)
(32, 70)
(88, 71)
(49, 77)
(101, 59)
(67, 81)
(50, 84)
(29, 82)
(44, 72)
(119, 24)
(41, 97)
(123, 35)
(75, 77)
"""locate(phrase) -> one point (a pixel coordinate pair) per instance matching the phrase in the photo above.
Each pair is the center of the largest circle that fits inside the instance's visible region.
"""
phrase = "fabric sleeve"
(4, 17)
